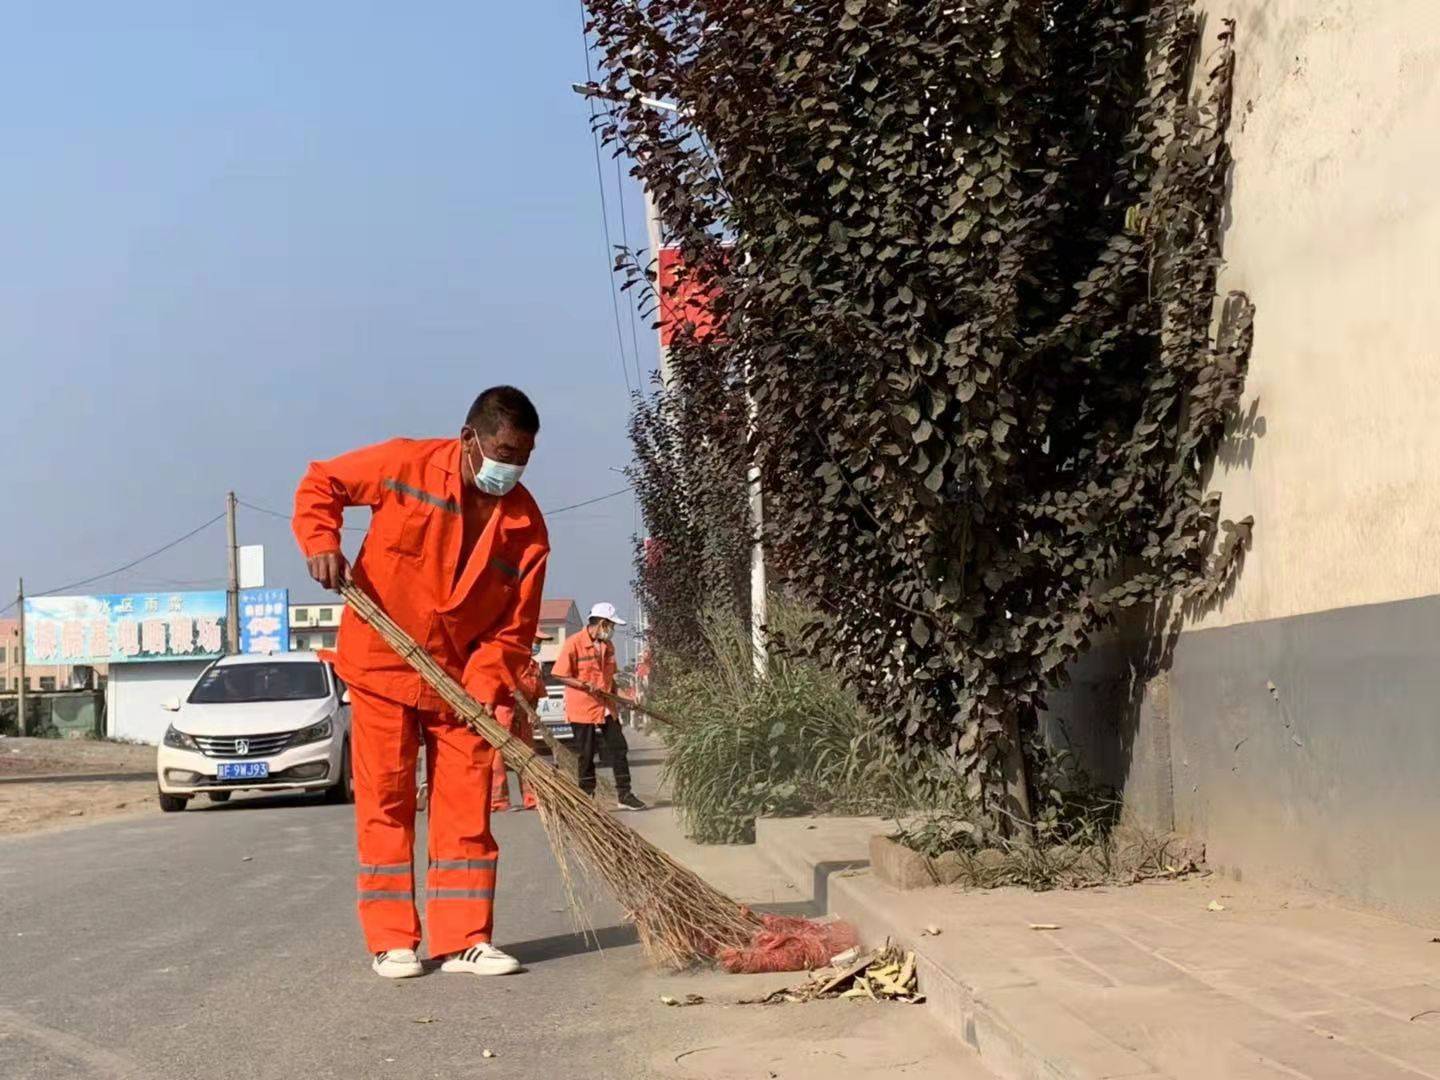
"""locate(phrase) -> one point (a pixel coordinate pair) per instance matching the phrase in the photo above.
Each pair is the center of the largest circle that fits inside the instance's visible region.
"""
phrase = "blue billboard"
(264, 620)
(123, 628)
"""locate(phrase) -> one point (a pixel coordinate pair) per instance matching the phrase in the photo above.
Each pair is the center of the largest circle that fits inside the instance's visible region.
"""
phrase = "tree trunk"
(1017, 820)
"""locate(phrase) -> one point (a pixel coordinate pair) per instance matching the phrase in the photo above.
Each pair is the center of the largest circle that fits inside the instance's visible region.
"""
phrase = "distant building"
(42, 676)
(315, 626)
(559, 618)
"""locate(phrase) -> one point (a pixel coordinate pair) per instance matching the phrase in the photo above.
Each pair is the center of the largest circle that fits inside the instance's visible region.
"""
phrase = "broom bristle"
(679, 917)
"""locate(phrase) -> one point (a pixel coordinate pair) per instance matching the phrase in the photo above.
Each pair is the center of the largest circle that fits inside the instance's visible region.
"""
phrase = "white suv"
(270, 723)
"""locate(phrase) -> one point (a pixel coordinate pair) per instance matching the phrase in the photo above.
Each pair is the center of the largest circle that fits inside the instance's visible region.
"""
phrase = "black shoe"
(629, 801)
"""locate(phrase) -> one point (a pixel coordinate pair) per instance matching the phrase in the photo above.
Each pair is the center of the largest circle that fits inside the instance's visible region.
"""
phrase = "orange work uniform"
(478, 622)
(591, 661)
(532, 685)
(588, 661)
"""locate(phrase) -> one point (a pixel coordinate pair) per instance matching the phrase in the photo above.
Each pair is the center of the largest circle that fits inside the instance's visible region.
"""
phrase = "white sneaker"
(482, 959)
(397, 964)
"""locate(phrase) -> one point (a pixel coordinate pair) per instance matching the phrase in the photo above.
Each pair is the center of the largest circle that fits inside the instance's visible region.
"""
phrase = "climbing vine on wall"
(968, 259)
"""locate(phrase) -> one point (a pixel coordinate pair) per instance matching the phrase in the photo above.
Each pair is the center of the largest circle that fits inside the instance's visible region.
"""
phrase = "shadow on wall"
(1114, 711)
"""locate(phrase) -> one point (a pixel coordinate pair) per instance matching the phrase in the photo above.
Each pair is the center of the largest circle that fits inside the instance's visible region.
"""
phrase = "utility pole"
(759, 596)
(232, 595)
(20, 699)
(652, 226)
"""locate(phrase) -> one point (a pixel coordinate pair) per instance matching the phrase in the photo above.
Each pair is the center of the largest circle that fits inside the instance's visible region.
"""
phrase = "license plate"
(243, 770)
(561, 731)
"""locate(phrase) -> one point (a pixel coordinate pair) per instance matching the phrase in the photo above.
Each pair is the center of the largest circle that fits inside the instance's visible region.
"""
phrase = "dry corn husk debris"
(674, 1002)
(887, 974)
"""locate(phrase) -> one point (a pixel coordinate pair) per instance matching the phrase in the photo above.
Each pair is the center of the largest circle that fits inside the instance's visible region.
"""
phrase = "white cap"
(606, 612)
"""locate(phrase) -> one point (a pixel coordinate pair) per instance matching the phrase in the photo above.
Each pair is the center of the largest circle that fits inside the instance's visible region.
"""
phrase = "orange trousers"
(500, 792)
(460, 878)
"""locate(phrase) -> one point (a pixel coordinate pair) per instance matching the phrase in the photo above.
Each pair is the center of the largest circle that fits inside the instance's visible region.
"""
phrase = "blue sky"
(237, 237)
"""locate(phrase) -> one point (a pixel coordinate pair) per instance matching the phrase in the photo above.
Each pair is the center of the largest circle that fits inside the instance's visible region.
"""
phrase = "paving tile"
(1059, 1037)
(1145, 983)
(1416, 1045)
(1420, 1000)
(1316, 1057)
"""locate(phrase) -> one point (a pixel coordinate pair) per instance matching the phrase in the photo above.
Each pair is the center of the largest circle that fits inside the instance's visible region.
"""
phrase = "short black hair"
(502, 405)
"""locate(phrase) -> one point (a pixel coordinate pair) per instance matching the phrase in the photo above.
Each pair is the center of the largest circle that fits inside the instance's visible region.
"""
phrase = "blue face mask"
(496, 477)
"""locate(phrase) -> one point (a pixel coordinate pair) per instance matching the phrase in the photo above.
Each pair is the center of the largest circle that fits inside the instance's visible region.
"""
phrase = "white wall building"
(135, 692)
(315, 625)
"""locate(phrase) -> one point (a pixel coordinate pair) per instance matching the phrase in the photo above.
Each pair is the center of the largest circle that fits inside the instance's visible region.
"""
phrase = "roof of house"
(557, 610)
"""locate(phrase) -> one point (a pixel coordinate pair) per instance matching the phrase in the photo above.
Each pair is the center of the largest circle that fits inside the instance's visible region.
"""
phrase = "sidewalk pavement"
(1145, 981)
(815, 1040)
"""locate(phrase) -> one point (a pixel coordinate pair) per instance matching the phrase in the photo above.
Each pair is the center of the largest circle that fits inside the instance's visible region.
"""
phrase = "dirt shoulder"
(59, 783)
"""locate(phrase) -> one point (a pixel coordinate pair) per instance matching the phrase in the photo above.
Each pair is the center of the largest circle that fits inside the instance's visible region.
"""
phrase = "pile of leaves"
(886, 974)
(962, 259)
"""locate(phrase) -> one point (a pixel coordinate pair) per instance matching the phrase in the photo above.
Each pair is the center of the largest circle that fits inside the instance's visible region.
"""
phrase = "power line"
(587, 502)
(548, 513)
(260, 510)
(605, 212)
(135, 562)
(630, 300)
(286, 517)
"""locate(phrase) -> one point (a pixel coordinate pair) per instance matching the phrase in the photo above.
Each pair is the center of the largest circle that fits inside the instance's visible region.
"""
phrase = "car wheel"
(343, 790)
(173, 804)
(218, 796)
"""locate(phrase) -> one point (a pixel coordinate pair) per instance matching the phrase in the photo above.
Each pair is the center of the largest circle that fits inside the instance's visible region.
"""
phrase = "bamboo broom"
(680, 918)
(615, 701)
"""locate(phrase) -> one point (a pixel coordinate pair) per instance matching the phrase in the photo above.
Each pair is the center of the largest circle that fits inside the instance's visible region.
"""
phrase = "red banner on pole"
(683, 300)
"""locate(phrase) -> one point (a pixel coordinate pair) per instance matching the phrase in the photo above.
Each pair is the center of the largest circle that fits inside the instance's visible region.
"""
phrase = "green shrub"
(796, 742)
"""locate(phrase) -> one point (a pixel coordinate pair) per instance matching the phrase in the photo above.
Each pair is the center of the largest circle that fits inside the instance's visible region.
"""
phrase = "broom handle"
(475, 716)
(607, 698)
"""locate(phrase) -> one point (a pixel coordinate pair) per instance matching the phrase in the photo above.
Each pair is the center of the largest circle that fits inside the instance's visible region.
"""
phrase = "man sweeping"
(456, 554)
(588, 659)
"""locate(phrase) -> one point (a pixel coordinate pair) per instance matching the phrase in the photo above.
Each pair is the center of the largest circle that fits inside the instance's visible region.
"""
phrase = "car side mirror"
(171, 704)
(345, 696)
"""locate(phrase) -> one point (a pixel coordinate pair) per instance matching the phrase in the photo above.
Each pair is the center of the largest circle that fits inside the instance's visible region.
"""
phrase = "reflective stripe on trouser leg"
(460, 878)
(384, 742)
(393, 881)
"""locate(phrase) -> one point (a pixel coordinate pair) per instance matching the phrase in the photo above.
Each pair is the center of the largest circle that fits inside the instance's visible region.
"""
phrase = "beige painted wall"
(1336, 236)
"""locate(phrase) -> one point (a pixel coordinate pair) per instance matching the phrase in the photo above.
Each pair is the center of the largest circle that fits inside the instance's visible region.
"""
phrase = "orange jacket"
(591, 661)
(480, 628)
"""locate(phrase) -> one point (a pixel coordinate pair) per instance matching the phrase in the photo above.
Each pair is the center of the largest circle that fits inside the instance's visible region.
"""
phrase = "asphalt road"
(222, 943)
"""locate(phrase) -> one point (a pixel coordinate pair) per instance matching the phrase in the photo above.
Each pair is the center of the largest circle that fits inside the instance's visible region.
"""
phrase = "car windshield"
(551, 682)
(235, 683)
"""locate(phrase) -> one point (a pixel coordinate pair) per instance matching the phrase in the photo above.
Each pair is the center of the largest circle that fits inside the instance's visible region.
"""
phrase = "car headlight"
(314, 733)
(179, 740)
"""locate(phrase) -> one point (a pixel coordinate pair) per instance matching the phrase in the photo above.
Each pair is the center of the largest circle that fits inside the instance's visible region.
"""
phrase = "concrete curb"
(998, 1010)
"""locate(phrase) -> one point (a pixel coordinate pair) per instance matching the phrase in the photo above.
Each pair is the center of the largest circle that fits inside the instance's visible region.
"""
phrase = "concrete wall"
(1303, 751)
(1296, 729)
(1334, 233)
(134, 694)
(1307, 750)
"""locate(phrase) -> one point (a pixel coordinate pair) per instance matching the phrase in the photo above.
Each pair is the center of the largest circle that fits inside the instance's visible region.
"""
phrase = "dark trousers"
(609, 740)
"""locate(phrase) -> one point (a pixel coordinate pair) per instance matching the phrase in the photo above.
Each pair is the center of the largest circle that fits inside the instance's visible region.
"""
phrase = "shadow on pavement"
(200, 804)
(559, 946)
